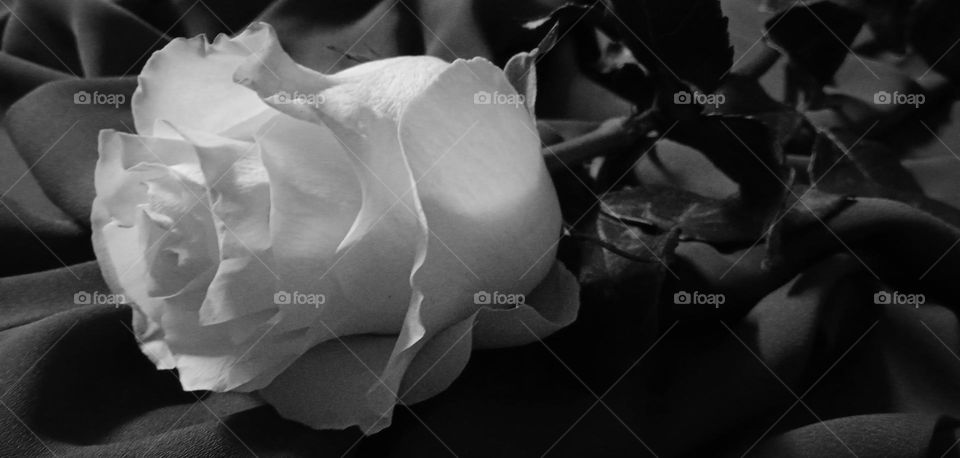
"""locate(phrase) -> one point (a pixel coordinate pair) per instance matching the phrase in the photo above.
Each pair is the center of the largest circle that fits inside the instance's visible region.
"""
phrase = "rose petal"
(381, 242)
(156, 259)
(329, 386)
(314, 196)
(176, 239)
(166, 255)
(489, 208)
(493, 214)
(243, 354)
(551, 306)
(492, 192)
(120, 191)
(135, 197)
(188, 83)
(438, 363)
(240, 205)
(209, 357)
(387, 240)
(326, 388)
(117, 192)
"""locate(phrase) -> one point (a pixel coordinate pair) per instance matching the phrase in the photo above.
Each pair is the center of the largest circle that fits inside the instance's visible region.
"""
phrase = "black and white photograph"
(480, 228)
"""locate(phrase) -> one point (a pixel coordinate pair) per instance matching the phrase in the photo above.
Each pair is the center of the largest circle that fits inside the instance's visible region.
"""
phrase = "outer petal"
(492, 209)
(210, 357)
(438, 363)
(329, 386)
(489, 208)
(388, 238)
(315, 197)
(188, 83)
(361, 106)
(550, 307)
(326, 388)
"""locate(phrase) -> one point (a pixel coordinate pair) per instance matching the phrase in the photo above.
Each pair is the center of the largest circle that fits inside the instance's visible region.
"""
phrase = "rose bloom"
(338, 243)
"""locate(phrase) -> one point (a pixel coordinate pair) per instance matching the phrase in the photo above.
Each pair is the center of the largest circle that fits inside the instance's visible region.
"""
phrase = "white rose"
(323, 242)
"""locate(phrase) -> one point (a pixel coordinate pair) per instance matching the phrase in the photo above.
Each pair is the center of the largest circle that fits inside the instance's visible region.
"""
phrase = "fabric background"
(799, 362)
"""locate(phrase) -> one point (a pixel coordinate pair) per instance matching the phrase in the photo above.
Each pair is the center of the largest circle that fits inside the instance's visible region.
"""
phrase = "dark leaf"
(626, 265)
(685, 38)
(715, 221)
(816, 37)
(562, 20)
(697, 217)
(744, 96)
(630, 245)
(615, 67)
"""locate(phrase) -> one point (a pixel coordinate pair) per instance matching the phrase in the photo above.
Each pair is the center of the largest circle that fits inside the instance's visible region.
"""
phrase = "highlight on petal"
(490, 214)
(489, 202)
(189, 83)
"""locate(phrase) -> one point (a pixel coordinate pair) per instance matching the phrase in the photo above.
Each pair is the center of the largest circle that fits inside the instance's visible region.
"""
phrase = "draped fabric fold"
(805, 363)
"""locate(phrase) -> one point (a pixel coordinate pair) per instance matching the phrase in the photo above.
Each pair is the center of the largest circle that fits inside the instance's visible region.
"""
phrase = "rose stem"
(610, 136)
